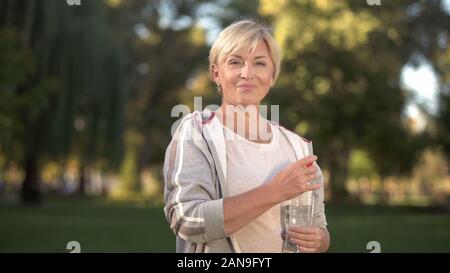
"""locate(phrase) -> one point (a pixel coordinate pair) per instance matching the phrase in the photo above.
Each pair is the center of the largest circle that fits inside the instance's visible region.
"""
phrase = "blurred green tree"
(83, 72)
(340, 80)
(167, 47)
(98, 81)
(74, 83)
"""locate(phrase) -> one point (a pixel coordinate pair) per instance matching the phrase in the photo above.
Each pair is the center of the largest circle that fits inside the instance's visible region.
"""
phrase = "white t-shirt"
(250, 165)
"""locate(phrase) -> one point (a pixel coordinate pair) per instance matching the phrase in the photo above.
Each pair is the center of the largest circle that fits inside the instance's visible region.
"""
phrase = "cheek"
(265, 77)
(267, 80)
(230, 78)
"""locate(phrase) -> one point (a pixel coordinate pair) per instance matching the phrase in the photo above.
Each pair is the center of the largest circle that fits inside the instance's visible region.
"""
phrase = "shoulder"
(290, 134)
(190, 127)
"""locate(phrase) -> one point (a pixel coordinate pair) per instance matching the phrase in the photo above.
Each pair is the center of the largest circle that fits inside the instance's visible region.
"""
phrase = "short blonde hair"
(241, 35)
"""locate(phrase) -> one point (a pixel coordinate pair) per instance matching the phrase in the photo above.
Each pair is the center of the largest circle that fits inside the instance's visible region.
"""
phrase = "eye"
(261, 63)
(234, 61)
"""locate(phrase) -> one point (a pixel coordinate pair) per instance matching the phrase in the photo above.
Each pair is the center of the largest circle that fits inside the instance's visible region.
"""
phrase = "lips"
(247, 86)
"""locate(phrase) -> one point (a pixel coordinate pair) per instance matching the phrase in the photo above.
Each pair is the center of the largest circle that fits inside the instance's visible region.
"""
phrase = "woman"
(228, 172)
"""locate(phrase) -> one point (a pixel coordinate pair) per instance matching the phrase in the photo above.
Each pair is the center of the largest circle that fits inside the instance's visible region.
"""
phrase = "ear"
(215, 74)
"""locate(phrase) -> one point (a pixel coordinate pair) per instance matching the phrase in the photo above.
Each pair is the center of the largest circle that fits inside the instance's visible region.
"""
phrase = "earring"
(219, 88)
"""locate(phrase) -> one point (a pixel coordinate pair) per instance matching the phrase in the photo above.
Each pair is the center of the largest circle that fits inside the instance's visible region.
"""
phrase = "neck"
(245, 121)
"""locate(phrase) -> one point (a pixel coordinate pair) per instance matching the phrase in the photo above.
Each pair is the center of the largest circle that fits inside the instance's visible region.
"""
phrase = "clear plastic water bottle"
(298, 211)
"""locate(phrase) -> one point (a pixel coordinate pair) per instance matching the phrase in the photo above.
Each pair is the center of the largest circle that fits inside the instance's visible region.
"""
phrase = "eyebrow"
(257, 57)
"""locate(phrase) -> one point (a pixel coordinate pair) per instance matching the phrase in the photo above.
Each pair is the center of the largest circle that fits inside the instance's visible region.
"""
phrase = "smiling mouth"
(246, 86)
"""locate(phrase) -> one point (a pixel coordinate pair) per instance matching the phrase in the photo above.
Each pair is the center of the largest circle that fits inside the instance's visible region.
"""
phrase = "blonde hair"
(241, 35)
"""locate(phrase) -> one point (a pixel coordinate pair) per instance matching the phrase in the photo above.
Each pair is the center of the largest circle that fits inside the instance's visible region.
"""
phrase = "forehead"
(260, 49)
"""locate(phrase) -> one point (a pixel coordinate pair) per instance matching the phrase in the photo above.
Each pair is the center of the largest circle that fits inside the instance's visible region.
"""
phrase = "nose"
(246, 72)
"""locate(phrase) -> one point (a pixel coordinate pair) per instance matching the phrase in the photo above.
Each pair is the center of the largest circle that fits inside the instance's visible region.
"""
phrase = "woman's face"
(245, 76)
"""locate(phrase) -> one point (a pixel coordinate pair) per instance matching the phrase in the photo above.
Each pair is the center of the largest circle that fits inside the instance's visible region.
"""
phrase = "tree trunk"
(31, 191)
(10, 12)
(83, 181)
(338, 168)
(28, 23)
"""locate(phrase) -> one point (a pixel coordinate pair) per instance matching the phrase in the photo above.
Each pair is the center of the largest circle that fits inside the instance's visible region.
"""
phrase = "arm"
(244, 208)
(189, 193)
(241, 209)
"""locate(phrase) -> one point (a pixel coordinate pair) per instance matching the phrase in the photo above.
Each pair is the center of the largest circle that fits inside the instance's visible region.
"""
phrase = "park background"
(86, 93)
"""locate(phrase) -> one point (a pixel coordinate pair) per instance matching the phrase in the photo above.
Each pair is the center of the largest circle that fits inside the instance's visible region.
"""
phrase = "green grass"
(398, 229)
(97, 225)
(102, 226)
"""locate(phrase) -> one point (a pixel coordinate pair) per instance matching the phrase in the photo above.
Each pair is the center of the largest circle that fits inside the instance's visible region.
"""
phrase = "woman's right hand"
(295, 179)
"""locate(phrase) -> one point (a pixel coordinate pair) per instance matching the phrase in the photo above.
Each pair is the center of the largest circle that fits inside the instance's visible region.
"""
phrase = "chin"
(247, 101)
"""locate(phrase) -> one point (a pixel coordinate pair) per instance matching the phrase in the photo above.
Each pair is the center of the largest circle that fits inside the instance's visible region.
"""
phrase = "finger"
(301, 243)
(312, 176)
(307, 171)
(304, 237)
(304, 233)
(307, 250)
(309, 164)
(305, 161)
(305, 178)
(303, 229)
(312, 187)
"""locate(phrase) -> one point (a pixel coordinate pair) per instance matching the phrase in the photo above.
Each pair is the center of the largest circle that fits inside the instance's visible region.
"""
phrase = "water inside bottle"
(295, 216)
